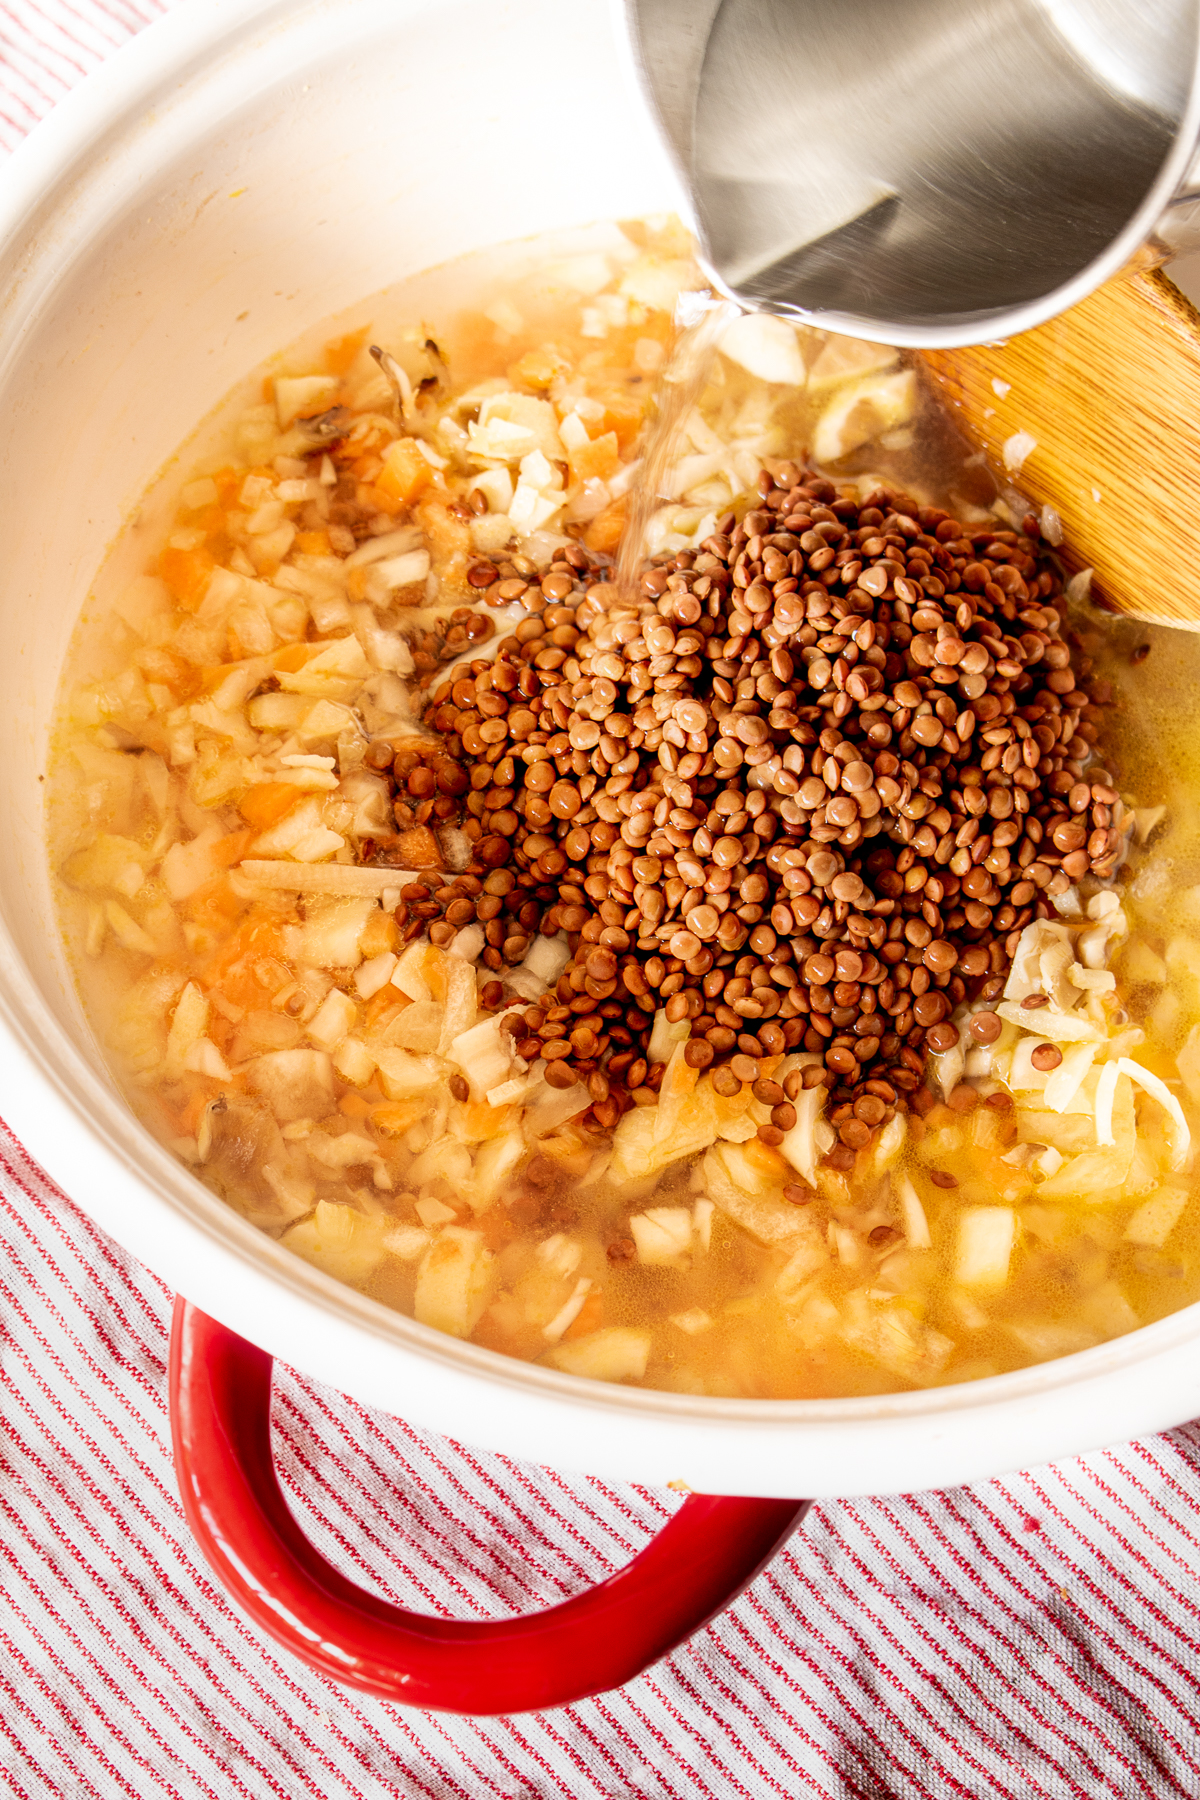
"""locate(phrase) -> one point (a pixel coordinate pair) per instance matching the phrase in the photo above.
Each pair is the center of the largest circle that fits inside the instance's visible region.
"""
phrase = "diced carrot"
(590, 1316)
(206, 517)
(765, 1158)
(604, 533)
(398, 1115)
(367, 467)
(595, 461)
(353, 1106)
(186, 1119)
(378, 934)
(234, 846)
(624, 415)
(187, 573)
(215, 903)
(292, 658)
(388, 1002)
(170, 670)
(241, 987)
(481, 1121)
(537, 368)
(375, 500)
(340, 352)
(405, 472)
(268, 387)
(264, 805)
(475, 338)
(257, 935)
(237, 650)
(418, 848)
(313, 543)
(229, 486)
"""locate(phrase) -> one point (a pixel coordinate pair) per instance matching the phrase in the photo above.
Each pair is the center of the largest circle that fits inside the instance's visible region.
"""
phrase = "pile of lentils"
(804, 790)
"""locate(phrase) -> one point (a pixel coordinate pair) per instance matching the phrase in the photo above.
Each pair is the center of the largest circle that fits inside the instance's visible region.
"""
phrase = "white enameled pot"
(241, 170)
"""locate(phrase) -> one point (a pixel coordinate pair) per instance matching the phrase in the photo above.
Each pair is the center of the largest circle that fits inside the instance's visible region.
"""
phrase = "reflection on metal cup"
(931, 174)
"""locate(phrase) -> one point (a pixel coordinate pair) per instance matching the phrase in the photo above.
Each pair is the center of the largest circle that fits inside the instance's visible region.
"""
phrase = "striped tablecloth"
(1033, 1637)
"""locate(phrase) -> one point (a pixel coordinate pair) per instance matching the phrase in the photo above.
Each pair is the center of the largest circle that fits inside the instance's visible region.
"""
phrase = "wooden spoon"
(1110, 391)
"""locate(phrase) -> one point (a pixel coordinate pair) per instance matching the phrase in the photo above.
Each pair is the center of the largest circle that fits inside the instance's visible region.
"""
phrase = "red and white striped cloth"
(1029, 1639)
(1034, 1637)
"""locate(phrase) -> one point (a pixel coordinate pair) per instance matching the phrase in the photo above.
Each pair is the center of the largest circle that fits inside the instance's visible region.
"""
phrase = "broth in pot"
(736, 933)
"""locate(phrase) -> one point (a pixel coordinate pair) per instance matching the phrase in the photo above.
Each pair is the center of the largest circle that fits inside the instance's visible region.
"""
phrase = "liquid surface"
(262, 823)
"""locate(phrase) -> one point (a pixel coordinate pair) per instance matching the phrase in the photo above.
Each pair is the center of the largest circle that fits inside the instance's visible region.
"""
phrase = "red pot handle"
(220, 1421)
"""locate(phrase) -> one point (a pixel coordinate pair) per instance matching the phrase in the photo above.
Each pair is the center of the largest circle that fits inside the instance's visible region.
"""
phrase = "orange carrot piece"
(214, 903)
(257, 937)
(292, 658)
(622, 414)
(604, 532)
(189, 1114)
(169, 670)
(405, 472)
(595, 461)
(229, 486)
(340, 352)
(264, 805)
(187, 574)
(396, 1117)
(589, 1318)
(388, 999)
(313, 543)
(232, 848)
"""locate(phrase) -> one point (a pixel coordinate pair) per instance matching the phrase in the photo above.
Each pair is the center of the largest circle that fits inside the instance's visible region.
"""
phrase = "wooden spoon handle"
(1111, 393)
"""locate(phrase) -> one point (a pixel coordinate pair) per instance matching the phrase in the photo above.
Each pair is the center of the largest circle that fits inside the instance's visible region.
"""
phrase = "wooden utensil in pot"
(1110, 394)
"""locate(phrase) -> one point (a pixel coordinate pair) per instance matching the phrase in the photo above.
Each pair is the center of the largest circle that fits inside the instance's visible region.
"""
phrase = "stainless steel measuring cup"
(927, 172)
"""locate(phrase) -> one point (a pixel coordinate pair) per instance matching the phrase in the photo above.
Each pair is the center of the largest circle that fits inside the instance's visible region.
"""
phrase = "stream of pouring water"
(681, 385)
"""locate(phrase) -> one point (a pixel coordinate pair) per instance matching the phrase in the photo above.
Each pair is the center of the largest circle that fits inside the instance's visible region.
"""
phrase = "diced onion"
(547, 957)
(317, 878)
(1065, 1081)
(1059, 1027)
(1158, 1088)
(1022, 1075)
(800, 1143)
(1106, 1088)
(916, 1225)
(375, 974)
(552, 1107)
(506, 1093)
(1016, 449)
(570, 1312)
(664, 1035)
(662, 1233)
(986, 1235)
(469, 943)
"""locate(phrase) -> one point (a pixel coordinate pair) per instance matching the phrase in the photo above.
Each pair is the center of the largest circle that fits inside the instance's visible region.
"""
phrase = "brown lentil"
(985, 1027)
(807, 814)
